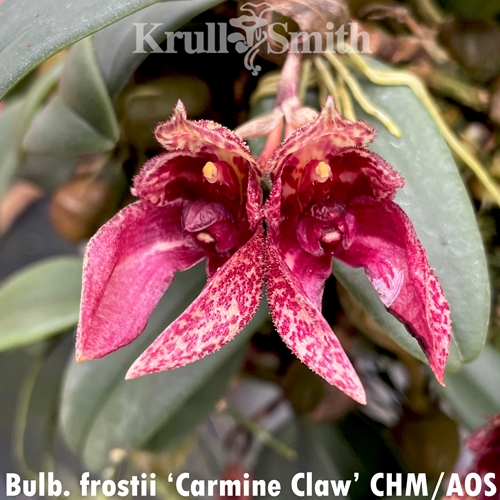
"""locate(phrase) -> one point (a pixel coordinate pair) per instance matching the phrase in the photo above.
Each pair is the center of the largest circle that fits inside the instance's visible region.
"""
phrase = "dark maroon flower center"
(322, 227)
(212, 224)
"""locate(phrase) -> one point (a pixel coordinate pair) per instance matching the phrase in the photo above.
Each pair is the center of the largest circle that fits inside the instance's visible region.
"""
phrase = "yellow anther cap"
(210, 172)
(322, 172)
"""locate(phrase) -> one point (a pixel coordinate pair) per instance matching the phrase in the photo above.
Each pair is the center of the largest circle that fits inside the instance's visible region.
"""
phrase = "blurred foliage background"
(76, 121)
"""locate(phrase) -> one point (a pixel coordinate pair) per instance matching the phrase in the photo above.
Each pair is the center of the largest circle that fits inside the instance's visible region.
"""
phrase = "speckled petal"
(179, 133)
(305, 331)
(128, 265)
(329, 131)
(178, 173)
(226, 304)
(386, 246)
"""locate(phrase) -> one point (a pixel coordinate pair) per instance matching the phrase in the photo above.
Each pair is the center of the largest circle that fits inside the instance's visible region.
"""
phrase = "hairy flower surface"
(332, 197)
(199, 200)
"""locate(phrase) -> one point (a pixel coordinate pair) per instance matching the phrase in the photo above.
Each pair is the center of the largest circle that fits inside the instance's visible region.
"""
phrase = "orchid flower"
(333, 198)
(484, 443)
(199, 200)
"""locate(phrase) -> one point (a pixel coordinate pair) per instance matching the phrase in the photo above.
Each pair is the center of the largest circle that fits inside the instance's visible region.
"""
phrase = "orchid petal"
(309, 270)
(386, 246)
(128, 265)
(178, 173)
(329, 131)
(304, 330)
(200, 136)
(203, 140)
(226, 304)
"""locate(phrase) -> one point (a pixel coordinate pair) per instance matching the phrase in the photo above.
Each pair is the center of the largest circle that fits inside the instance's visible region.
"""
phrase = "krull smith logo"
(257, 30)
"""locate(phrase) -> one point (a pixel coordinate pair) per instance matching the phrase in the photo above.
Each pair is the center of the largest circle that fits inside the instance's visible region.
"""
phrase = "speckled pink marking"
(386, 246)
(226, 304)
(305, 331)
(182, 218)
(128, 265)
(371, 231)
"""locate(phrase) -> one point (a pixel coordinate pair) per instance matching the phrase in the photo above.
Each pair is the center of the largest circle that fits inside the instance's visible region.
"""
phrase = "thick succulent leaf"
(101, 411)
(437, 203)
(473, 392)
(34, 31)
(15, 120)
(40, 301)
(80, 118)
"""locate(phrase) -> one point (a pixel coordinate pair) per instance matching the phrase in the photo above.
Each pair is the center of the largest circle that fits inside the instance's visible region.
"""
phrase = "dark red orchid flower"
(199, 200)
(485, 444)
(333, 198)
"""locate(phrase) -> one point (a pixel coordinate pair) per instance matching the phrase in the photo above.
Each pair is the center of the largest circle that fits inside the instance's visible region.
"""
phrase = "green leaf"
(436, 201)
(472, 393)
(101, 411)
(80, 118)
(40, 301)
(15, 120)
(9, 158)
(34, 31)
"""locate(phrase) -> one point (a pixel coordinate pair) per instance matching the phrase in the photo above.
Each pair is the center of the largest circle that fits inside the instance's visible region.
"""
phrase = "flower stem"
(305, 76)
(289, 79)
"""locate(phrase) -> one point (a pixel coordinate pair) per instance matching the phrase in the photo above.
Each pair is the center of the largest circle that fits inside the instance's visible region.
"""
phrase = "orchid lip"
(321, 227)
(212, 224)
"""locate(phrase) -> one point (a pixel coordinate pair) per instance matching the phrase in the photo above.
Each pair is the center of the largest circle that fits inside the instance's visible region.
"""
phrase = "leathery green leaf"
(80, 118)
(472, 393)
(436, 201)
(34, 31)
(40, 301)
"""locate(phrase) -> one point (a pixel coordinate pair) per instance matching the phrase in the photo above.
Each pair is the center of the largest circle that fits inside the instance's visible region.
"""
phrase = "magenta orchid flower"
(484, 443)
(333, 198)
(199, 200)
